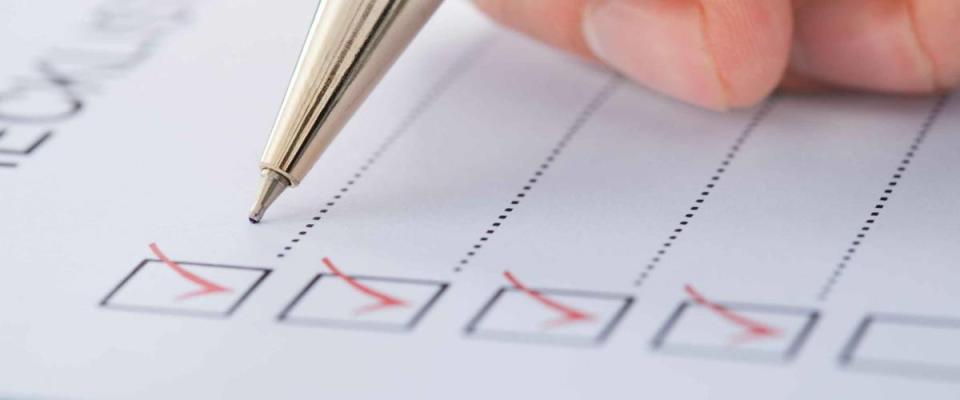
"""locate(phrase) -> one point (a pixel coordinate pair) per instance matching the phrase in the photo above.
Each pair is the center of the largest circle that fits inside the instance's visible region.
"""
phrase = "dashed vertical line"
(448, 77)
(710, 186)
(592, 106)
(884, 198)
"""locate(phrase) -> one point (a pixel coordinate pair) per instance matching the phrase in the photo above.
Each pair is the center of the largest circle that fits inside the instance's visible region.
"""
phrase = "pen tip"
(271, 185)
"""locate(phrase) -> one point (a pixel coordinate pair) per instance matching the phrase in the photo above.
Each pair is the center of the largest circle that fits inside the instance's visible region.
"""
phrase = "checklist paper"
(499, 220)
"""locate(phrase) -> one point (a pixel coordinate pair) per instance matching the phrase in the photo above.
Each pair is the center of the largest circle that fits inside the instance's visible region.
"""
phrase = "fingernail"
(659, 43)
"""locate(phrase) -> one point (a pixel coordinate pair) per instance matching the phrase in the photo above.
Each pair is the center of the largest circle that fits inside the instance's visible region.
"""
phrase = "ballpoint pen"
(351, 45)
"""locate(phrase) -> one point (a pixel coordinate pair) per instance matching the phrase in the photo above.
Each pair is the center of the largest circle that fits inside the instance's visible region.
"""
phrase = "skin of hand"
(724, 54)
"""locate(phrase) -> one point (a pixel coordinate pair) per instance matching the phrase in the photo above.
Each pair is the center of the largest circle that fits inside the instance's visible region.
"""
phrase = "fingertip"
(937, 25)
(719, 55)
(659, 45)
(751, 43)
(909, 46)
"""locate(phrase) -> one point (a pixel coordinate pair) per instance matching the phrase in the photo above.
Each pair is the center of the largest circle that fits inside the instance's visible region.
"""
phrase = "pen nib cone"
(271, 185)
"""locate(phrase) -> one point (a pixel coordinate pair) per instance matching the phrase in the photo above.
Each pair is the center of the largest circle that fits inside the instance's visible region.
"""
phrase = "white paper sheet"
(499, 221)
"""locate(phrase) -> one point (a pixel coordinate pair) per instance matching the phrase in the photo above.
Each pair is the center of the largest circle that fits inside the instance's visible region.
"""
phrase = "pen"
(351, 45)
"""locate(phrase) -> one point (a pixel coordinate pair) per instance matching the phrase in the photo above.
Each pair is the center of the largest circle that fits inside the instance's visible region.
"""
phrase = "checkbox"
(549, 316)
(912, 346)
(191, 289)
(363, 302)
(22, 142)
(735, 331)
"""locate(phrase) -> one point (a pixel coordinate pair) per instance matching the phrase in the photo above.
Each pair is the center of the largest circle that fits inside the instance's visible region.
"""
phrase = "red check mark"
(206, 287)
(569, 314)
(383, 300)
(752, 329)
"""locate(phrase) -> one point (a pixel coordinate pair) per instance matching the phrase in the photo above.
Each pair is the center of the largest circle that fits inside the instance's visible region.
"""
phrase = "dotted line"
(446, 80)
(711, 185)
(874, 214)
(601, 97)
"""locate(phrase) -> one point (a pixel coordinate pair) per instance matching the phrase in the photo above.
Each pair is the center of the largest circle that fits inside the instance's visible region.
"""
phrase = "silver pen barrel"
(351, 45)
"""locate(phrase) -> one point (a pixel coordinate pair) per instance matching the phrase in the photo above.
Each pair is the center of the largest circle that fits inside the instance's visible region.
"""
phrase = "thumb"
(718, 54)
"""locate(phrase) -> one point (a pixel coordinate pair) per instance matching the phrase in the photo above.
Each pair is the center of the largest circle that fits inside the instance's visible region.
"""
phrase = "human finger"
(908, 46)
(718, 54)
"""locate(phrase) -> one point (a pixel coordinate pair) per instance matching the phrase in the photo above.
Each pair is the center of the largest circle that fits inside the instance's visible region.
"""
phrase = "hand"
(725, 54)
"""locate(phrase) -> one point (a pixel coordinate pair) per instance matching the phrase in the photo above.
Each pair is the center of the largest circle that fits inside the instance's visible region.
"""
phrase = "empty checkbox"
(21, 142)
(905, 345)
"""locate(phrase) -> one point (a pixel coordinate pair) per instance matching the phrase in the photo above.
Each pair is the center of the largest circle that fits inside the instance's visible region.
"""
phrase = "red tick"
(569, 314)
(206, 287)
(383, 300)
(752, 329)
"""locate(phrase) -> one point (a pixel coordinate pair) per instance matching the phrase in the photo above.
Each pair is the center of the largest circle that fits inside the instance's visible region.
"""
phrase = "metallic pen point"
(271, 185)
